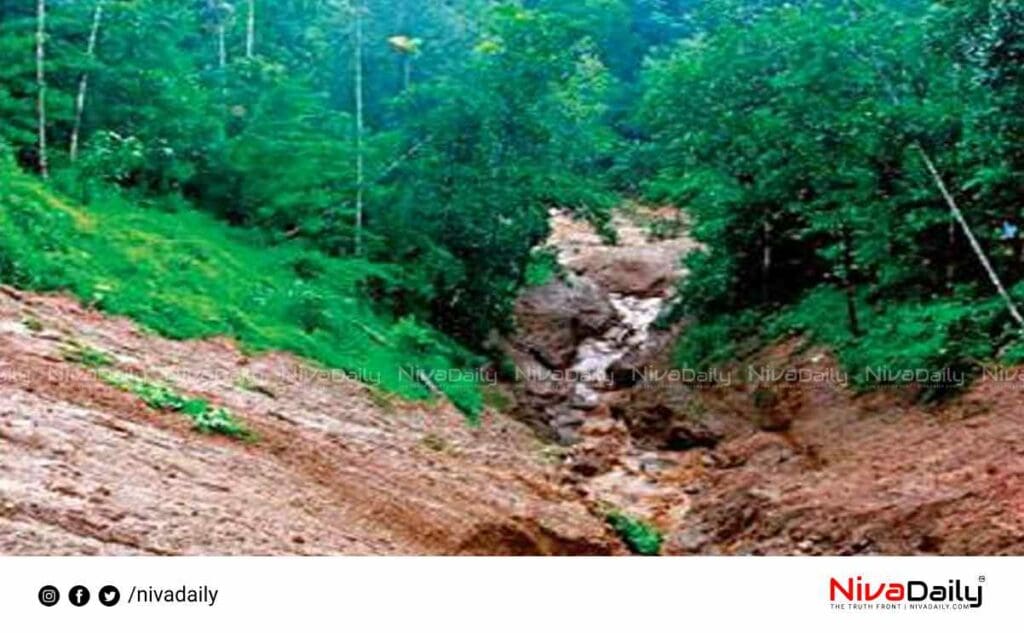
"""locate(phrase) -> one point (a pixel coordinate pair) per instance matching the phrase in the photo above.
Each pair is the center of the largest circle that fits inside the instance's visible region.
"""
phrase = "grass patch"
(206, 418)
(542, 267)
(498, 398)
(638, 535)
(88, 356)
(33, 324)
(185, 275)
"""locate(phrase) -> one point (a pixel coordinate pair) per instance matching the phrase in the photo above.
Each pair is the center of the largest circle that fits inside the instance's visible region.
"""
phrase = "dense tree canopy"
(432, 136)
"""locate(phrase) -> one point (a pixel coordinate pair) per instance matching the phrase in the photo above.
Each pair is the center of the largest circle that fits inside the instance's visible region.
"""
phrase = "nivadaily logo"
(905, 594)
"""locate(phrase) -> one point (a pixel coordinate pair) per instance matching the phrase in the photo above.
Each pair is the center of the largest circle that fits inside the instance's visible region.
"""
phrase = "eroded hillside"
(89, 468)
(773, 453)
(102, 449)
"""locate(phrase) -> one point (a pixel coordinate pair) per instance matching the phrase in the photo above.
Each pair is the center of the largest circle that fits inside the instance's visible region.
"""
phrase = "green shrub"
(713, 342)
(938, 345)
(87, 356)
(206, 418)
(542, 267)
(220, 422)
(189, 276)
(639, 536)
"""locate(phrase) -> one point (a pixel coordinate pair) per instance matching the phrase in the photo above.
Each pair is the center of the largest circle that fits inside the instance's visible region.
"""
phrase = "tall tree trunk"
(766, 257)
(951, 254)
(359, 127)
(44, 166)
(400, 27)
(83, 82)
(975, 246)
(250, 31)
(222, 46)
(848, 284)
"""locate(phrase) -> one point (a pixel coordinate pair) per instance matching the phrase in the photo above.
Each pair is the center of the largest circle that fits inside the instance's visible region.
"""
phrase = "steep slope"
(87, 468)
(185, 275)
(595, 319)
(93, 460)
(772, 454)
(840, 473)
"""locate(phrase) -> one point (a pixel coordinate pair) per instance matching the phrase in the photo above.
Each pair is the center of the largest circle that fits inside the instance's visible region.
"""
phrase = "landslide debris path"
(735, 465)
(86, 468)
(594, 321)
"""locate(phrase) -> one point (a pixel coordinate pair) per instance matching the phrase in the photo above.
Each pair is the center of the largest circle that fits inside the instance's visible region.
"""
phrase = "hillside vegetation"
(185, 275)
(814, 144)
(853, 169)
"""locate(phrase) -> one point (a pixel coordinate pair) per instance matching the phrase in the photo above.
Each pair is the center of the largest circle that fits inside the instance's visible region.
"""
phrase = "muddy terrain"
(724, 466)
(733, 464)
(86, 468)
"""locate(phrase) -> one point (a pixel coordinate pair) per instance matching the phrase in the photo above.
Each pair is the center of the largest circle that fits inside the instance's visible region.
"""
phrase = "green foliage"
(542, 267)
(477, 117)
(714, 342)
(790, 131)
(206, 418)
(810, 193)
(213, 421)
(639, 536)
(87, 356)
(938, 345)
(185, 275)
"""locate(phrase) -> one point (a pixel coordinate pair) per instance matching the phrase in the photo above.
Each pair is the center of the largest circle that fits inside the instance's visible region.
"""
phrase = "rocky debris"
(638, 265)
(552, 320)
(845, 474)
(668, 416)
(635, 272)
(86, 468)
(596, 323)
(761, 466)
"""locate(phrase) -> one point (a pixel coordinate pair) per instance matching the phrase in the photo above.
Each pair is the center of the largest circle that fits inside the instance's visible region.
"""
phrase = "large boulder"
(552, 319)
(665, 416)
(636, 271)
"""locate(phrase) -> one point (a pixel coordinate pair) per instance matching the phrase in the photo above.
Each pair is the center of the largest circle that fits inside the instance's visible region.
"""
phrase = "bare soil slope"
(877, 473)
(747, 467)
(86, 468)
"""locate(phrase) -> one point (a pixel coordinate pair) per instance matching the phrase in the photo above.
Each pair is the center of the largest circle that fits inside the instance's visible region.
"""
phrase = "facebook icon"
(79, 596)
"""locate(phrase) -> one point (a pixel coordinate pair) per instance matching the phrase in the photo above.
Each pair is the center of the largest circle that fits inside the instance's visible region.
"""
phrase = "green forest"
(364, 182)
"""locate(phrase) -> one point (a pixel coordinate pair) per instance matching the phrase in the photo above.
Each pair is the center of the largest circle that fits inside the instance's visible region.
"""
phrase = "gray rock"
(552, 319)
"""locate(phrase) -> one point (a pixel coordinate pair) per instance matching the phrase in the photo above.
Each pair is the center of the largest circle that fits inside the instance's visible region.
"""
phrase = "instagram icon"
(49, 596)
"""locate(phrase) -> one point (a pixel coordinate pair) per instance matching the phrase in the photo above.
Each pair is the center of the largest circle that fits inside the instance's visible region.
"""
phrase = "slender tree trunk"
(83, 82)
(400, 27)
(766, 257)
(951, 254)
(993, 277)
(44, 166)
(848, 285)
(250, 31)
(222, 47)
(359, 128)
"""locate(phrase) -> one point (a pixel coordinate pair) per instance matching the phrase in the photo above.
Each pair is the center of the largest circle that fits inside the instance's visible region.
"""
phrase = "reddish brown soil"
(339, 469)
(879, 473)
